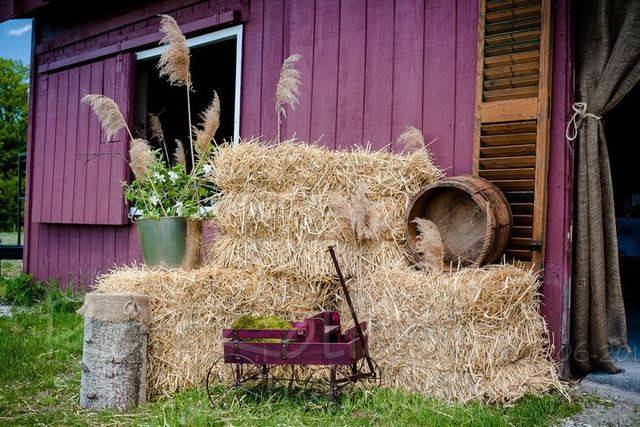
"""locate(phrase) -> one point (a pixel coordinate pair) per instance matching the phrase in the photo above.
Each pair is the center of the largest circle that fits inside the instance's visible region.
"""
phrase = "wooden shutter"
(511, 136)
(77, 176)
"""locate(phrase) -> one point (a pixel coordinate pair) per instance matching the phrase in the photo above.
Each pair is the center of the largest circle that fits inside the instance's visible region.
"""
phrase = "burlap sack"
(116, 308)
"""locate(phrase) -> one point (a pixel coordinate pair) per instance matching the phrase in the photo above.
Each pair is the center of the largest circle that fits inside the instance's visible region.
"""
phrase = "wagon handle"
(343, 284)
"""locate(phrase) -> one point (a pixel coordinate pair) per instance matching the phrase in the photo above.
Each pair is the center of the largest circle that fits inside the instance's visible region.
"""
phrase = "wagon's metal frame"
(260, 358)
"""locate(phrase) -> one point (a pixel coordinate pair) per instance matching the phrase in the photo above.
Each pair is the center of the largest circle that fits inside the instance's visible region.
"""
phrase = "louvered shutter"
(512, 114)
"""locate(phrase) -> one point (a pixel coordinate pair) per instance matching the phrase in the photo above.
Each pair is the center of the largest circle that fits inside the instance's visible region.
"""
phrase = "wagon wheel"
(247, 376)
(283, 376)
(311, 379)
(352, 374)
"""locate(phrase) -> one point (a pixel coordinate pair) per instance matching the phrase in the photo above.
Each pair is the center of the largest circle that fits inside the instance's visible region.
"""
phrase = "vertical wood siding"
(369, 69)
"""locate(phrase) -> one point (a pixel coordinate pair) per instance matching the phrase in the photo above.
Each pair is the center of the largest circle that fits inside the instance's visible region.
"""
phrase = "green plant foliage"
(22, 290)
(13, 134)
(59, 301)
(170, 191)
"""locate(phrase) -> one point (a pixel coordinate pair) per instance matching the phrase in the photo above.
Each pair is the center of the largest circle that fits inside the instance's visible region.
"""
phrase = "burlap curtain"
(608, 66)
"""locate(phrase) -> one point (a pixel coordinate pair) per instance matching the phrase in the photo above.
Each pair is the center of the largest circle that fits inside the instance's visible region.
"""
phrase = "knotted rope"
(579, 114)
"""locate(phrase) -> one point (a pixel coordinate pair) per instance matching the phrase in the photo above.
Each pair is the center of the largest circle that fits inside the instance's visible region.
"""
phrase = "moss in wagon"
(248, 321)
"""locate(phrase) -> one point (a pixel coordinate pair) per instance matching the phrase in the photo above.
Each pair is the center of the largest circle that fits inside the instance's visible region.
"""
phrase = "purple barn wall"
(369, 68)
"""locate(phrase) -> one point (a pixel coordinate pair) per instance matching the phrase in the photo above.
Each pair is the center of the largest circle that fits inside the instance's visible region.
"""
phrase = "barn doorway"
(215, 66)
(624, 152)
(625, 173)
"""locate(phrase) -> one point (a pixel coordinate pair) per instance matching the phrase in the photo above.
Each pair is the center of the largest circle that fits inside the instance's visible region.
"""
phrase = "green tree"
(13, 134)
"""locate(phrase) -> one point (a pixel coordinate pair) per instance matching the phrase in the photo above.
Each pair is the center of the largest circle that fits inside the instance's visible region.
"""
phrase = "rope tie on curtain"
(579, 114)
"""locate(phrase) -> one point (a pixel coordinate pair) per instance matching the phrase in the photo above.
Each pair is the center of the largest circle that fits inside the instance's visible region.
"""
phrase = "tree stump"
(114, 354)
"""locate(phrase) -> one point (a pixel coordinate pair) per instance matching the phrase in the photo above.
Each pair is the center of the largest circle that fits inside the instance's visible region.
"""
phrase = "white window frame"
(216, 36)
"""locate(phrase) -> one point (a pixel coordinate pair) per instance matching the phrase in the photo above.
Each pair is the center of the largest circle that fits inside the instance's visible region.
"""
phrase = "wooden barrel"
(472, 216)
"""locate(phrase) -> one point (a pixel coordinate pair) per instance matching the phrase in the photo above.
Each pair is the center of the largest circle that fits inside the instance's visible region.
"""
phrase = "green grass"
(9, 267)
(41, 350)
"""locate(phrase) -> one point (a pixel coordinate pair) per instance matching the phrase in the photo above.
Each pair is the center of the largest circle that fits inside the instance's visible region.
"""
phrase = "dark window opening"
(213, 67)
(623, 154)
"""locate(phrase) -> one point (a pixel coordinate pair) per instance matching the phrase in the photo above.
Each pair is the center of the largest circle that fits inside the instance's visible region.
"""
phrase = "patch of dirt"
(605, 406)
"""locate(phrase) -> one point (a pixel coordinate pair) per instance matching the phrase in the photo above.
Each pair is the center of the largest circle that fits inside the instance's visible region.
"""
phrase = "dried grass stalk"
(210, 123)
(109, 115)
(178, 155)
(358, 217)
(366, 224)
(156, 132)
(430, 249)
(141, 158)
(411, 140)
(175, 59)
(288, 88)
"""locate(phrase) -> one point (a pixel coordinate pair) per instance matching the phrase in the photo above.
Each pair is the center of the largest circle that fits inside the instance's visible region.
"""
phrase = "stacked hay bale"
(472, 334)
(281, 206)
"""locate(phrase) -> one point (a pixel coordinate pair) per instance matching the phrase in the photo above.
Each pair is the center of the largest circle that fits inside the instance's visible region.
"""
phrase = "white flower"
(158, 176)
(173, 176)
(207, 169)
(179, 208)
(154, 199)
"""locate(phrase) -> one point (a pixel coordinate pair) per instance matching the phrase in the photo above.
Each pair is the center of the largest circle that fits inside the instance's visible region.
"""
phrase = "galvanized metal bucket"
(163, 241)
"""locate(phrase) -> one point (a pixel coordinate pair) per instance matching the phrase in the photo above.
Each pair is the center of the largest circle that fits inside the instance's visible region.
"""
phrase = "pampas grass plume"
(411, 140)
(174, 61)
(141, 157)
(209, 126)
(108, 113)
(429, 246)
(179, 155)
(156, 132)
(288, 88)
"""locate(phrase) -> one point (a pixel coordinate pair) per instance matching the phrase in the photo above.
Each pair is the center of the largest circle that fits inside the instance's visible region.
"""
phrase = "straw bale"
(267, 214)
(303, 259)
(189, 308)
(504, 385)
(493, 294)
(469, 334)
(252, 165)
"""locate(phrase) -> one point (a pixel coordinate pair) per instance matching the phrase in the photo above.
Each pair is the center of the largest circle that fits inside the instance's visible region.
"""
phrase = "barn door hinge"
(119, 63)
(536, 245)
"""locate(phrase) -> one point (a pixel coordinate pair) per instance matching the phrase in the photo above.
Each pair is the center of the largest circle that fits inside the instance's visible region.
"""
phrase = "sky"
(15, 40)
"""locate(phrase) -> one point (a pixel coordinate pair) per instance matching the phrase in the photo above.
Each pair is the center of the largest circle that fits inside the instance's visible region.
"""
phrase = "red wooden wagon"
(259, 358)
